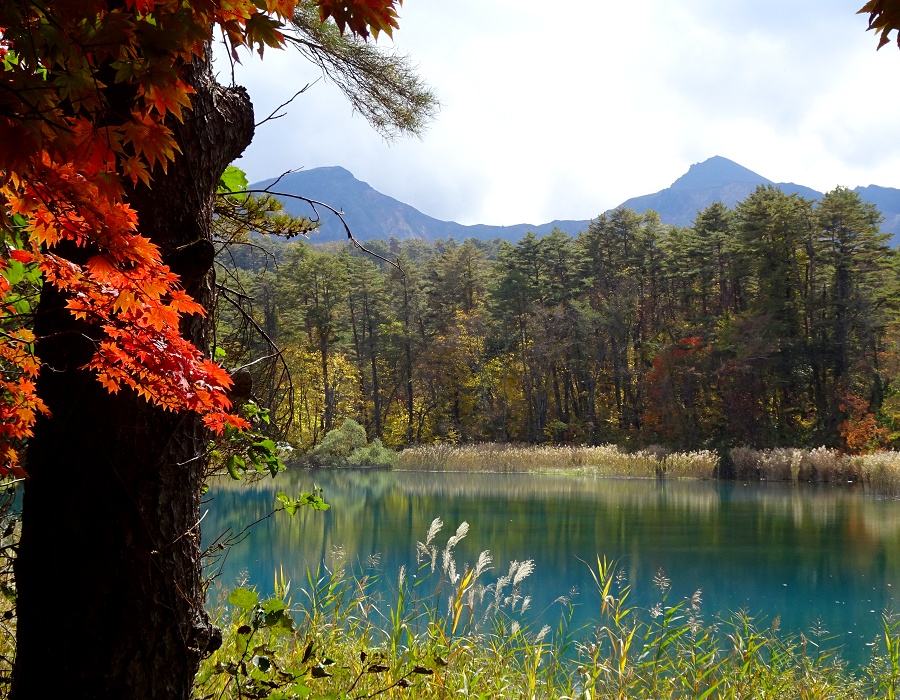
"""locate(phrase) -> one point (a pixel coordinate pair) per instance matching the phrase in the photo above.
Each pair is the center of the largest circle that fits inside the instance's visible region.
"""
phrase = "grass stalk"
(464, 631)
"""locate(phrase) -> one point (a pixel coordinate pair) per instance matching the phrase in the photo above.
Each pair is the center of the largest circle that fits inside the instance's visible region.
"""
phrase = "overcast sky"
(564, 110)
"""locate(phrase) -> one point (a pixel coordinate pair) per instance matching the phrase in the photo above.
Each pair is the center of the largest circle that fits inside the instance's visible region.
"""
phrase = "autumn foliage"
(69, 154)
(884, 17)
(860, 430)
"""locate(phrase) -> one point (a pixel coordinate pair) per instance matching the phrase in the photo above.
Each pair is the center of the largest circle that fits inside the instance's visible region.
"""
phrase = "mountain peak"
(371, 214)
(716, 172)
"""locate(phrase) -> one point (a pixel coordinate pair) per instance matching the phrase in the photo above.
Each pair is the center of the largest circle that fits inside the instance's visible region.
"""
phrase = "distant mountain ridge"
(373, 215)
(718, 179)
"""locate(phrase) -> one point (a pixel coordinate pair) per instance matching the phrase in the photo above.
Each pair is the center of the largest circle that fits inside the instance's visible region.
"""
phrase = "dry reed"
(604, 460)
(879, 472)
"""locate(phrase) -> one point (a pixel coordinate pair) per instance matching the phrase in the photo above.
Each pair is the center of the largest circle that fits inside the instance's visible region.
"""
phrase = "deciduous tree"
(113, 138)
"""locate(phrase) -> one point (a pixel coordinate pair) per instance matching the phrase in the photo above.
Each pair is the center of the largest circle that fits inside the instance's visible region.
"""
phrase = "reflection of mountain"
(372, 215)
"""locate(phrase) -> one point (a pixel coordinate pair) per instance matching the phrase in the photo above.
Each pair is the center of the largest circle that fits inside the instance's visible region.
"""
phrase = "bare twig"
(273, 115)
(314, 203)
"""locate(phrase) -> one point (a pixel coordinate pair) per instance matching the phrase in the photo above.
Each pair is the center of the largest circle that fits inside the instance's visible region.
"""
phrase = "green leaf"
(13, 272)
(289, 504)
(279, 622)
(9, 593)
(268, 446)
(205, 675)
(232, 464)
(273, 605)
(243, 598)
(233, 180)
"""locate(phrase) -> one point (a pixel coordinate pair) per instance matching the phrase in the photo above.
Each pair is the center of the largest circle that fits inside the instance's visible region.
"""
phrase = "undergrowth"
(450, 631)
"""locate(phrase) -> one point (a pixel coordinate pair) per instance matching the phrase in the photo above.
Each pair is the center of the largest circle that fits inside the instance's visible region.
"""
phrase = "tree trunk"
(373, 357)
(111, 601)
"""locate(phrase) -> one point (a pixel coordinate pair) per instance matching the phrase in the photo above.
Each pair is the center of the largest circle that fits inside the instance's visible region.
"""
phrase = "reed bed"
(464, 631)
(878, 472)
(604, 460)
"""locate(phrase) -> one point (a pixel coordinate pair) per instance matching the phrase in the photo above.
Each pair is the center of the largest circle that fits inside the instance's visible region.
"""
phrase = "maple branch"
(284, 175)
(225, 290)
(34, 109)
(238, 294)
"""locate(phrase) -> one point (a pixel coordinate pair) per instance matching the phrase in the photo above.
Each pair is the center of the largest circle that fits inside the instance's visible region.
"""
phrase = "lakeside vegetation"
(877, 472)
(771, 324)
(460, 630)
(604, 460)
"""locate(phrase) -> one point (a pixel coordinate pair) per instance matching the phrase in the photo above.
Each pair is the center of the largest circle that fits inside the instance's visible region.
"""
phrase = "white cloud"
(562, 111)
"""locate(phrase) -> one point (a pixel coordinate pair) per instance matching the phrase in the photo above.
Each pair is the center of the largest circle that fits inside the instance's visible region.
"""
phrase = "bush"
(373, 455)
(347, 447)
(340, 443)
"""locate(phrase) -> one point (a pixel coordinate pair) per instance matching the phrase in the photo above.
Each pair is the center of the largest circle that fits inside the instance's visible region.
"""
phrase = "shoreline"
(877, 473)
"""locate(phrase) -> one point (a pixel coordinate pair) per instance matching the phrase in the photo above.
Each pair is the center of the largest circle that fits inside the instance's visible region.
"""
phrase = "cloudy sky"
(564, 110)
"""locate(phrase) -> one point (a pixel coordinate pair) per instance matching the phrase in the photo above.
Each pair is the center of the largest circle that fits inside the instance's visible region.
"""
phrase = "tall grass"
(605, 460)
(461, 631)
(879, 472)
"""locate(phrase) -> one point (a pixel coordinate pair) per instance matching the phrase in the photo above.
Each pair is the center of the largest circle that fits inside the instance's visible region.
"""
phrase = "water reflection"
(805, 554)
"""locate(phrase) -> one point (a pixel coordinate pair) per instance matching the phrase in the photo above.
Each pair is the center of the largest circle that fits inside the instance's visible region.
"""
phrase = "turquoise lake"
(817, 557)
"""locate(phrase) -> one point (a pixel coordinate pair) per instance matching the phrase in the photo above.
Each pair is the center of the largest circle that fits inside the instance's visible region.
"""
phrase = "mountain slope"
(714, 180)
(371, 214)
(887, 199)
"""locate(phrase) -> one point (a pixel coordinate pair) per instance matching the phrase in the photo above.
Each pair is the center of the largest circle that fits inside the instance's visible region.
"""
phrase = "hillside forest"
(773, 323)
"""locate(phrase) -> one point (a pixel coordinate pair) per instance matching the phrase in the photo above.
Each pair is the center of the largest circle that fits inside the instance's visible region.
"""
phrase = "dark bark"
(373, 359)
(109, 570)
(407, 352)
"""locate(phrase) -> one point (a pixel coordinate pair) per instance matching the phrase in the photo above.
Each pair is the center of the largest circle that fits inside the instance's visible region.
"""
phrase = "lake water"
(815, 556)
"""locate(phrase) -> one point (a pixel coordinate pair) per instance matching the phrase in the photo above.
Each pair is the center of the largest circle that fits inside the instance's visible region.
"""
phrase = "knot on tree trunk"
(206, 638)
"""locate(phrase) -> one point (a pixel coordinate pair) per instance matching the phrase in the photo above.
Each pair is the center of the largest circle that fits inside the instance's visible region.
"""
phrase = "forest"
(770, 324)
